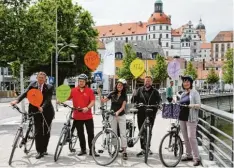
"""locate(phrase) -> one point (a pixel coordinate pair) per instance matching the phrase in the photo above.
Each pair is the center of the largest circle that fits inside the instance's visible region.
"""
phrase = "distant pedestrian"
(169, 92)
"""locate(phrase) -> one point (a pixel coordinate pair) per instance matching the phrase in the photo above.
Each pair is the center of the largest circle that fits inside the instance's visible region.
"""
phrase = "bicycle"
(22, 139)
(145, 130)
(67, 134)
(174, 143)
(106, 141)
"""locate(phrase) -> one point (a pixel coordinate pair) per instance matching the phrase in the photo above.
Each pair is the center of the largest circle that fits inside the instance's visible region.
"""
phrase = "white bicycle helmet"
(123, 81)
(83, 76)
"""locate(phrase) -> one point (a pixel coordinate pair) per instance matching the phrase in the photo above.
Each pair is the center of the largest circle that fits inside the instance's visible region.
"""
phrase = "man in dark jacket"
(148, 96)
(42, 121)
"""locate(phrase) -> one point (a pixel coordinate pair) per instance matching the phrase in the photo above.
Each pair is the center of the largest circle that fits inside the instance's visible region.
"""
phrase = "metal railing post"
(211, 148)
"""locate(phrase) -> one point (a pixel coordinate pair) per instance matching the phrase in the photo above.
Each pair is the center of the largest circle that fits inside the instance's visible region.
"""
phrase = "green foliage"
(190, 70)
(228, 67)
(212, 76)
(129, 56)
(159, 71)
(27, 35)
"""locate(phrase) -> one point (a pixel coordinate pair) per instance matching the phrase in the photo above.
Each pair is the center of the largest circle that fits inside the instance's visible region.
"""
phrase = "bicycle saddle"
(133, 110)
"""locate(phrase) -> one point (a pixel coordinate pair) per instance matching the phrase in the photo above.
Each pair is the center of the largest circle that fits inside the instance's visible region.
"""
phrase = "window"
(172, 46)
(132, 38)
(136, 37)
(121, 38)
(186, 44)
(207, 69)
(149, 28)
(153, 27)
(166, 44)
(189, 31)
(139, 55)
(160, 35)
(182, 44)
(195, 36)
(102, 40)
(205, 50)
(216, 59)
(228, 45)
(149, 36)
(222, 59)
(160, 27)
(195, 43)
(216, 55)
(194, 50)
(166, 53)
(154, 36)
(142, 38)
(154, 55)
(222, 47)
(217, 68)
(126, 39)
(167, 27)
(118, 55)
(216, 47)
(116, 38)
(167, 35)
(190, 26)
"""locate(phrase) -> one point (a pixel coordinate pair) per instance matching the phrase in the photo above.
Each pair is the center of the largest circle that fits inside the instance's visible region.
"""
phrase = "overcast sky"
(217, 15)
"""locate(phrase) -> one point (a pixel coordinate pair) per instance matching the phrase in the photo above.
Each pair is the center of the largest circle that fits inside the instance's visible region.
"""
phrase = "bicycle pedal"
(73, 150)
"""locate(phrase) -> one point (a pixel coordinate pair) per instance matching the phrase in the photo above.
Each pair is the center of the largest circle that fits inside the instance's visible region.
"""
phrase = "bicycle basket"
(171, 111)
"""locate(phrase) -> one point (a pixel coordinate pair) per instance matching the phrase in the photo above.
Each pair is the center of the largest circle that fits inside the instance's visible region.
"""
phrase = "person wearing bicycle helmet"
(118, 102)
(83, 97)
(189, 118)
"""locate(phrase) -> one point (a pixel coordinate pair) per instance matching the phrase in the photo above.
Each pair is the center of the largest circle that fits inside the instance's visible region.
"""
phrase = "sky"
(217, 15)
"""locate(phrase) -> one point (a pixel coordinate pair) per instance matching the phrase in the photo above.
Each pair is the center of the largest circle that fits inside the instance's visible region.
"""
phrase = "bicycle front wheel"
(15, 143)
(61, 143)
(106, 144)
(29, 138)
(170, 150)
(147, 143)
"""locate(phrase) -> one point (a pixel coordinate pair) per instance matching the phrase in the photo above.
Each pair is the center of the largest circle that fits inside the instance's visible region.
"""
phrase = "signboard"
(98, 76)
(51, 80)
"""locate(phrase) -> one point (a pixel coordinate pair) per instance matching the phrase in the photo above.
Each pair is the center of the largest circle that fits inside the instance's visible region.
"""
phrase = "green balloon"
(63, 93)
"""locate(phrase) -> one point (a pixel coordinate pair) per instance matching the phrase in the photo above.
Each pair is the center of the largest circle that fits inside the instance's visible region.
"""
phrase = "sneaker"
(197, 163)
(141, 153)
(81, 153)
(187, 158)
(121, 150)
(125, 156)
(150, 152)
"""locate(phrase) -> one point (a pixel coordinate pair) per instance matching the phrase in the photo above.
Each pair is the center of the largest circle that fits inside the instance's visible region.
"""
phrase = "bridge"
(216, 143)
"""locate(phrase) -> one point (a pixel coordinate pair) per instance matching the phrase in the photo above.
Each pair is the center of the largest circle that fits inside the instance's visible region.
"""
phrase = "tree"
(212, 76)
(228, 67)
(159, 71)
(190, 70)
(129, 56)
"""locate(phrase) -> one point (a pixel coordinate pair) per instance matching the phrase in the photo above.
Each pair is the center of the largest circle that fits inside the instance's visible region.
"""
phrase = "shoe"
(39, 155)
(150, 152)
(141, 153)
(125, 156)
(186, 158)
(95, 154)
(197, 163)
(45, 153)
(82, 153)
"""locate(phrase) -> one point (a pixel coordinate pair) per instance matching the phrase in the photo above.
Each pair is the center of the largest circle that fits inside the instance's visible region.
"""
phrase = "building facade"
(184, 41)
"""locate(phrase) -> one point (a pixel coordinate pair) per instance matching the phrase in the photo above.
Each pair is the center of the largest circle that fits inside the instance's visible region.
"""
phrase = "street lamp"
(56, 62)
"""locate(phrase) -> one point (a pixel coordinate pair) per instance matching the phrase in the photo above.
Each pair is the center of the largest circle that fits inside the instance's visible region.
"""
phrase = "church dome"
(159, 18)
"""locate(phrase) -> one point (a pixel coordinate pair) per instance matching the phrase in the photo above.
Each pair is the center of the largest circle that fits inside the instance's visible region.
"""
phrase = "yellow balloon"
(137, 67)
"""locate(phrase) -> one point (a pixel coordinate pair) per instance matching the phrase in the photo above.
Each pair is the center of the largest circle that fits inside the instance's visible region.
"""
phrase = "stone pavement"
(67, 159)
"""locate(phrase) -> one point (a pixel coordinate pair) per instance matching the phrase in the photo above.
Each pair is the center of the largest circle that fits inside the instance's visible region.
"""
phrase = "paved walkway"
(8, 130)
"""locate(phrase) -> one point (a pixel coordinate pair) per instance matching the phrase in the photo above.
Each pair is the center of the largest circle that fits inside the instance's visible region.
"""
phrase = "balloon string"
(44, 120)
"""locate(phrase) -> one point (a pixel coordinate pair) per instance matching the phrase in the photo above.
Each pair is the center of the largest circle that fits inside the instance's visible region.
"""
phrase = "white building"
(205, 52)
(184, 41)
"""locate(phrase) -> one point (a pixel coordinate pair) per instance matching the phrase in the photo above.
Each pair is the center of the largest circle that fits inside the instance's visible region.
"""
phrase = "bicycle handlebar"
(183, 105)
(72, 108)
(147, 106)
(18, 109)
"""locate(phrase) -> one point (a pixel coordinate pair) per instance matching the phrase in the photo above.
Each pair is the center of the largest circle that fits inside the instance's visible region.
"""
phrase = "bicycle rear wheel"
(15, 143)
(30, 137)
(61, 143)
(106, 143)
(170, 150)
(147, 143)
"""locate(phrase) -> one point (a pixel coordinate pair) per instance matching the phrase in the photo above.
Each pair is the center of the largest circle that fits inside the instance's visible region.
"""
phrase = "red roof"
(122, 29)
(159, 18)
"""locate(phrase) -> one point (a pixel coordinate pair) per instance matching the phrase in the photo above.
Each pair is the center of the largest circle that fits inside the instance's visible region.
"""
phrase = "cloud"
(217, 15)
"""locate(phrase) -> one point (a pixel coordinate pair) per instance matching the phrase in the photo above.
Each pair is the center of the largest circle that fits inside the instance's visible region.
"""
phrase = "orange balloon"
(35, 97)
(92, 60)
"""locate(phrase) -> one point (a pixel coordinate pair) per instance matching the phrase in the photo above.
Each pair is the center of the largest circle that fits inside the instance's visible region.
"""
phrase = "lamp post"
(56, 63)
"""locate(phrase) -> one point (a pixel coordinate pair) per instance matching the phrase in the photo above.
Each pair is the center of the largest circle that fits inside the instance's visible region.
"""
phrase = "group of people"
(83, 97)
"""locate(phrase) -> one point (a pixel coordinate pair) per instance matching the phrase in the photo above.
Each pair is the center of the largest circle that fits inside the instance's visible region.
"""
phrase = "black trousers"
(140, 120)
(42, 134)
(79, 124)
